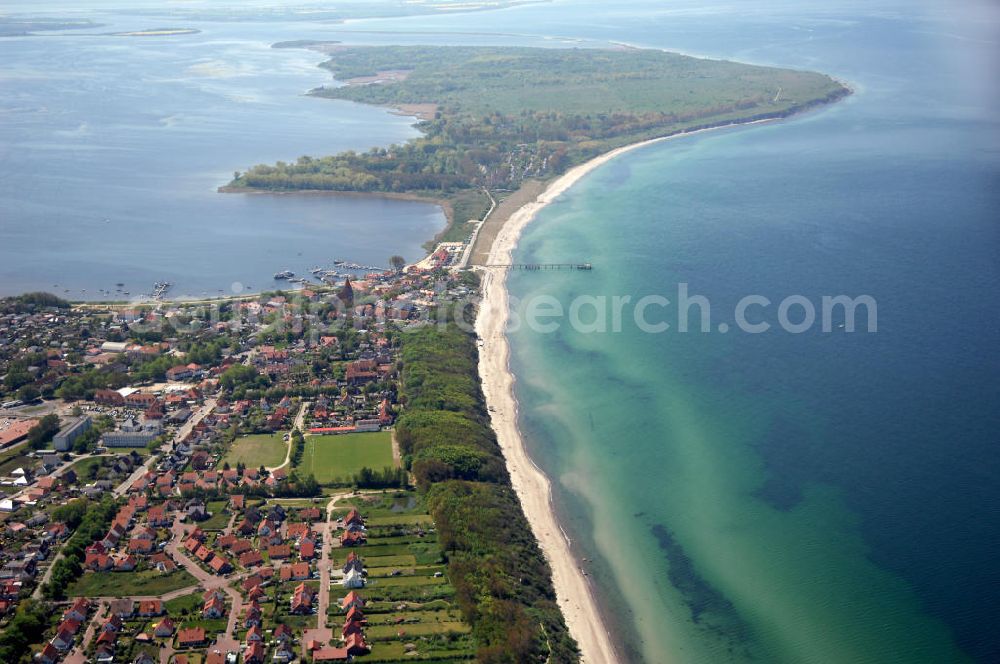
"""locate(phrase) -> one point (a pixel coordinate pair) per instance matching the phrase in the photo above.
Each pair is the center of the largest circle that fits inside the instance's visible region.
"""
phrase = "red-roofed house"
(77, 610)
(279, 552)
(220, 565)
(215, 607)
(352, 600)
(302, 600)
(330, 655)
(296, 572)
(251, 558)
(191, 637)
(164, 628)
(150, 607)
(48, 655)
(254, 654)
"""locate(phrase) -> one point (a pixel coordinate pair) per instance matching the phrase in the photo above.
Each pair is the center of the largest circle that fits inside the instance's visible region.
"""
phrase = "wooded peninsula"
(492, 118)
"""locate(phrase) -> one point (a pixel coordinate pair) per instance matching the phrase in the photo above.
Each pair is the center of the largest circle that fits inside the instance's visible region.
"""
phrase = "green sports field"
(337, 458)
(257, 450)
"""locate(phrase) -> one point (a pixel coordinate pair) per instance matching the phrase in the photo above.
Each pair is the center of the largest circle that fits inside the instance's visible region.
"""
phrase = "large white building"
(133, 434)
(63, 441)
(367, 425)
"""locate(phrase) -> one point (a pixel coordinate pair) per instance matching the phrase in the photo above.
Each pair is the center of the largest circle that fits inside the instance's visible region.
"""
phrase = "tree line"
(503, 583)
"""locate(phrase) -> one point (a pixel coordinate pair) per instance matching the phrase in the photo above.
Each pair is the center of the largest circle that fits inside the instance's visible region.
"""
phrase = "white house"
(353, 579)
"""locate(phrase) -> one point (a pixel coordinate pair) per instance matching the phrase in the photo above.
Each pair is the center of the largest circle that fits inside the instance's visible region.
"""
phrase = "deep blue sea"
(774, 497)
(779, 497)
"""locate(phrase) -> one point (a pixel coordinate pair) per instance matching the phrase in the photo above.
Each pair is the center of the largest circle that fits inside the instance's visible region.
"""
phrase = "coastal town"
(197, 484)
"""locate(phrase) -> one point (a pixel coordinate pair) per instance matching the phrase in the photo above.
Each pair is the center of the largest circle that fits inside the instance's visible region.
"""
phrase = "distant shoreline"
(490, 229)
(156, 32)
(485, 239)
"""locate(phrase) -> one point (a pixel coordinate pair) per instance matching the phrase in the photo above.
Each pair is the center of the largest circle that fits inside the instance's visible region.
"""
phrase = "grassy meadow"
(337, 458)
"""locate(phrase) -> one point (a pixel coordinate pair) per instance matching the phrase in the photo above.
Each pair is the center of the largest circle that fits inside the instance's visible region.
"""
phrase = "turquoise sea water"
(790, 497)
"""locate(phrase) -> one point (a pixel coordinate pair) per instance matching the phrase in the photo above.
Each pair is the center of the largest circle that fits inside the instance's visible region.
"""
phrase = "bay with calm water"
(815, 497)
(112, 148)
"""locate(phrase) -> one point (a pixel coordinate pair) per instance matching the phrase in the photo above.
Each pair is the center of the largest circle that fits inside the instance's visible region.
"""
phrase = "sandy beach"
(573, 591)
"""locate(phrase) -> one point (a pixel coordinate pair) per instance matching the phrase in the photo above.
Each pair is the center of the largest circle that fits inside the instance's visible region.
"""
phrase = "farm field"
(332, 459)
(257, 450)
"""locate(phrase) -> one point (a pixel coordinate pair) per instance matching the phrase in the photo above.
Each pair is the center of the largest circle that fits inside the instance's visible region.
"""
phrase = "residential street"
(208, 581)
(77, 656)
(181, 434)
(299, 419)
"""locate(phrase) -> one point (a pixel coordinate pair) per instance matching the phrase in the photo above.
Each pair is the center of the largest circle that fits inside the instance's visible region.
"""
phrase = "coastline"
(574, 594)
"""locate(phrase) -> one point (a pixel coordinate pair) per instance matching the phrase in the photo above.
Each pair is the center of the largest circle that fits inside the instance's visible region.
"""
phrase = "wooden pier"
(543, 266)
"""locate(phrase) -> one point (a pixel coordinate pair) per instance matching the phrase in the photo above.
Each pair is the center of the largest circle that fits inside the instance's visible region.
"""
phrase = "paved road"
(77, 656)
(122, 488)
(208, 581)
(181, 434)
(299, 419)
(322, 632)
(46, 407)
(37, 593)
(397, 456)
(325, 565)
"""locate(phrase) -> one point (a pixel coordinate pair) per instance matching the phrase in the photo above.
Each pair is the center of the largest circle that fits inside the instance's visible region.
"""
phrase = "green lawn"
(395, 506)
(418, 629)
(126, 584)
(337, 458)
(184, 605)
(412, 570)
(219, 519)
(401, 520)
(426, 553)
(431, 650)
(12, 461)
(388, 581)
(82, 467)
(390, 561)
(258, 450)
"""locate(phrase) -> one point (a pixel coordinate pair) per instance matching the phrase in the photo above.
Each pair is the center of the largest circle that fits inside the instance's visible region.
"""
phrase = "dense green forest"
(503, 582)
(498, 116)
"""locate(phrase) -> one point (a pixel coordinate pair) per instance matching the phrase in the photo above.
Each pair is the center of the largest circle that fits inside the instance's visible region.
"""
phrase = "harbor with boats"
(341, 270)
